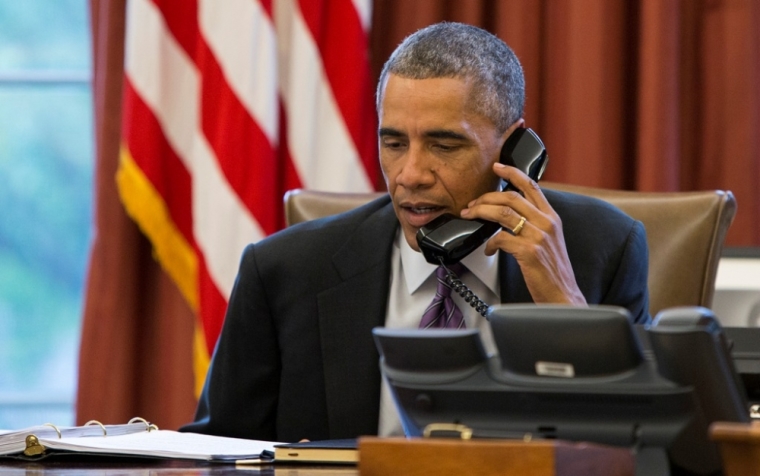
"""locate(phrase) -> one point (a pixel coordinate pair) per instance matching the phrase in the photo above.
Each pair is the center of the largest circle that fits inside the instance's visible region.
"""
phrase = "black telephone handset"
(448, 238)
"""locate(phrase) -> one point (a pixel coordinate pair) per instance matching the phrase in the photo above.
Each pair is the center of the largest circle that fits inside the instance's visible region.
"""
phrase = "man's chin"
(412, 240)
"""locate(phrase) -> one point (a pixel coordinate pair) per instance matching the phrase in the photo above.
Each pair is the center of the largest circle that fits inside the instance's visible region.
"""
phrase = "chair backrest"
(685, 233)
(304, 205)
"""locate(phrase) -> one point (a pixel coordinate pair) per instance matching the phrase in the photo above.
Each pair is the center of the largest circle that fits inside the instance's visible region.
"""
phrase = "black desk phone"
(448, 238)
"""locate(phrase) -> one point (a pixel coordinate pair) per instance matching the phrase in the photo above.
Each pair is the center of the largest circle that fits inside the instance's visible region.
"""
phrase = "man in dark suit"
(296, 357)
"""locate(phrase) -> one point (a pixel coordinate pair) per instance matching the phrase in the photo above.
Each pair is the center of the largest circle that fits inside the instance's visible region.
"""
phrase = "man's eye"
(446, 147)
(393, 144)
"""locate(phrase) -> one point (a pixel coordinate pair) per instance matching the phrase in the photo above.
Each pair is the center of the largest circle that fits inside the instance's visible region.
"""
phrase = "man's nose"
(417, 169)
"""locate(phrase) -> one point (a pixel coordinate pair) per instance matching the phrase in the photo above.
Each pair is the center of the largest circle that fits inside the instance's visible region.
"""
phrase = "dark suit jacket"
(296, 358)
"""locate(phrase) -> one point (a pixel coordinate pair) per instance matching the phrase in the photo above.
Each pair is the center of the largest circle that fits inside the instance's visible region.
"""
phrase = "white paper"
(165, 443)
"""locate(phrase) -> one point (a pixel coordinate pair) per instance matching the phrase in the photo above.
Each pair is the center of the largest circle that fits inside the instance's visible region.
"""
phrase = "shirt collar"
(417, 270)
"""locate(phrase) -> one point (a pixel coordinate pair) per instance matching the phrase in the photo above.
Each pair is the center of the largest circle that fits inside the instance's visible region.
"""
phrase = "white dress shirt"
(412, 288)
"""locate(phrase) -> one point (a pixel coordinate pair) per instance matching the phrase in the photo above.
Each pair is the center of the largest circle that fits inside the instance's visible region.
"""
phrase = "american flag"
(227, 104)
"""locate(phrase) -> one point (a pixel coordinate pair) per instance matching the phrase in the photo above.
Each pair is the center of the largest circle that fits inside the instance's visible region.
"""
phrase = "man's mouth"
(424, 210)
(419, 216)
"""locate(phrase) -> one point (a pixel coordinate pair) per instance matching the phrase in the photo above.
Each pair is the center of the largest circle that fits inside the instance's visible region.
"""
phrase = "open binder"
(135, 438)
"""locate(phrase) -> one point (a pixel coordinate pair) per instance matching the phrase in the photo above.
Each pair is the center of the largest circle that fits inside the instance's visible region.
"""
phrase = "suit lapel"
(347, 314)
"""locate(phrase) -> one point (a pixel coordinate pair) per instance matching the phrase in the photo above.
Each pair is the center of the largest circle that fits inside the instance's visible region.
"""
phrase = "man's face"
(436, 152)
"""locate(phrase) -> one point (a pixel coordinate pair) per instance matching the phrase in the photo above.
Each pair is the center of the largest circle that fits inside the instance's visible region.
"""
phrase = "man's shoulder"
(590, 223)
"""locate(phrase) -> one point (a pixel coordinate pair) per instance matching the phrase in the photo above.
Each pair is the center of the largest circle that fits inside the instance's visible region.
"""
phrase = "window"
(46, 166)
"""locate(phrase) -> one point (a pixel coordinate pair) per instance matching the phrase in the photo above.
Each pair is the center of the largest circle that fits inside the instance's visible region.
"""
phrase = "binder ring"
(148, 426)
(33, 446)
(55, 428)
(96, 422)
(465, 432)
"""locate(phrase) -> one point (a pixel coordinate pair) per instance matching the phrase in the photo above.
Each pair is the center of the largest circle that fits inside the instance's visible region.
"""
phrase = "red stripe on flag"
(343, 45)
(181, 17)
(156, 158)
(267, 6)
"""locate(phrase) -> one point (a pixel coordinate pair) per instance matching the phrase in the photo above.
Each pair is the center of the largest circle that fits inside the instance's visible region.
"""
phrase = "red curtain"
(654, 95)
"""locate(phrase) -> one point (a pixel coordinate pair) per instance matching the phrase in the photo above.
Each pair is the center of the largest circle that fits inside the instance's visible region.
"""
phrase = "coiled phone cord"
(460, 288)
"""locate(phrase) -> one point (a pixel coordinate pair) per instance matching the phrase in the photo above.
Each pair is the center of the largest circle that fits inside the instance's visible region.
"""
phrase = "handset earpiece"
(525, 151)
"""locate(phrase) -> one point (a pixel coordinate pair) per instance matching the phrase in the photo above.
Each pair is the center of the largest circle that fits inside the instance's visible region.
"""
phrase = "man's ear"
(515, 125)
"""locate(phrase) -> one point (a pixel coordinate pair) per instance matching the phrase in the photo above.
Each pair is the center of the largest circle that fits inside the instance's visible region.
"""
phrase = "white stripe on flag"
(364, 10)
(163, 75)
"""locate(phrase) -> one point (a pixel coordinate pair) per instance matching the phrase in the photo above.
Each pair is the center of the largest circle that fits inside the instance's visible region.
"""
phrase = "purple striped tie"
(443, 312)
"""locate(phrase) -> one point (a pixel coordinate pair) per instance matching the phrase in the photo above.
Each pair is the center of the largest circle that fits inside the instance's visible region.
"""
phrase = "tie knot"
(443, 312)
(456, 268)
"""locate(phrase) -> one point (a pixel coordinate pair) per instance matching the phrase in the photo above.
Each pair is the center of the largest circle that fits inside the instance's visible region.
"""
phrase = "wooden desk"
(739, 445)
(379, 457)
(434, 457)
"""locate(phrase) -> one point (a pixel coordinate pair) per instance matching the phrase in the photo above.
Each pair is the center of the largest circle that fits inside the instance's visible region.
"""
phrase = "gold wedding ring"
(516, 230)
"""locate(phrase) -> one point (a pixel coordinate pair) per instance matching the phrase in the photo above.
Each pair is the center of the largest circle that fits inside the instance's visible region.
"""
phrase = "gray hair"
(456, 50)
